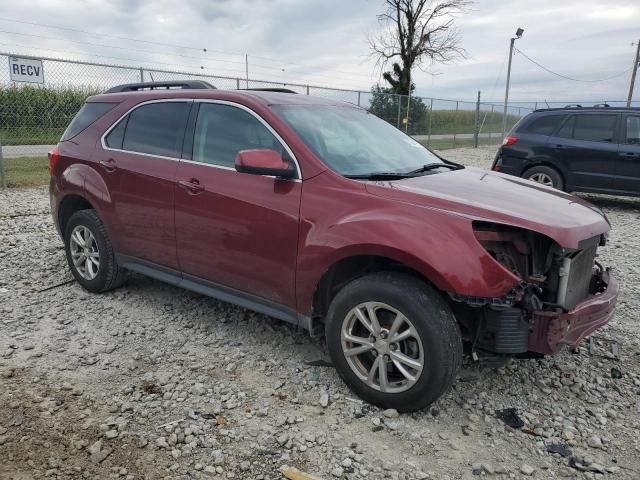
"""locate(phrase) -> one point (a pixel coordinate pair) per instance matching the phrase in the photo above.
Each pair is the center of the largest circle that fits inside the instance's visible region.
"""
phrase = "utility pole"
(406, 127)
(476, 129)
(633, 74)
(246, 68)
(519, 33)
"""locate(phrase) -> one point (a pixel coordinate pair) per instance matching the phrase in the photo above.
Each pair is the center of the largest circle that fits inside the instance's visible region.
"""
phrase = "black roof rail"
(601, 105)
(573, 105)
(174, 84)
(269, 89)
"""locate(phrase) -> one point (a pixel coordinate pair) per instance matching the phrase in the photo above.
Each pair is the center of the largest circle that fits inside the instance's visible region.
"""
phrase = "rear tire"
(417, 369)
(89, 253)
(544, 175)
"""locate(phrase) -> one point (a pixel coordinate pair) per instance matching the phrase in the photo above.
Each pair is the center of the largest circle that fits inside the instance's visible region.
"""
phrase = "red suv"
(320, 214)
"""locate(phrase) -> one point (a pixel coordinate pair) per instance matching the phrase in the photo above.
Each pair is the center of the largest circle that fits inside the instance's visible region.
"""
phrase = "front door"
(628, 165)
(235, 229)
(586, 147)
(140, 159)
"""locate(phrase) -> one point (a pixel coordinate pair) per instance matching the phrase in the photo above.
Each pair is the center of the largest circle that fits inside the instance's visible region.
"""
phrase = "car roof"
(600, 109)
(262, 96)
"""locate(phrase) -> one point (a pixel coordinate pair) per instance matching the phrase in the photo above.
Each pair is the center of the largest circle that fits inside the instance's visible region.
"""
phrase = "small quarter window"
(116, 135)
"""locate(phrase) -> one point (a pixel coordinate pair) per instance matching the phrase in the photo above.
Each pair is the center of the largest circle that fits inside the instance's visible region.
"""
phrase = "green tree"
(392, 107)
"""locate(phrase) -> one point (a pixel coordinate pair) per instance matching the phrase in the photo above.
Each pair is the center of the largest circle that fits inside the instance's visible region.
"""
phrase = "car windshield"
(354, 142)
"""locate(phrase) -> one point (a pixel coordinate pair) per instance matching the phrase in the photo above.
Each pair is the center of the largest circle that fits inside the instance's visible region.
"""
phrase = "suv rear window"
(89, 113)
(544, 125)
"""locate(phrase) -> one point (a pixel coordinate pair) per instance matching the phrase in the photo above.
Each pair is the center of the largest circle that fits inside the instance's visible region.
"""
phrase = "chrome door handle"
(109, 165)
(192, 186)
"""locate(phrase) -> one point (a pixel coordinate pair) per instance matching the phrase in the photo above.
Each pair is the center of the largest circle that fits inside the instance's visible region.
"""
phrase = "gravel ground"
(151, 381)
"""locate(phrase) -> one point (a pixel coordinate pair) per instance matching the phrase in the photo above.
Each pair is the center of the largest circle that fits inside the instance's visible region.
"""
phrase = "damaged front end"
(564, 294)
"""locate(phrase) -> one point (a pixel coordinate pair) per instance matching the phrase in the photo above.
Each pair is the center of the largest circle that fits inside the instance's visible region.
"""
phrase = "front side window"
(156, 129)
(354, 142)
(594, 128)
(223, 130)
(633, 130)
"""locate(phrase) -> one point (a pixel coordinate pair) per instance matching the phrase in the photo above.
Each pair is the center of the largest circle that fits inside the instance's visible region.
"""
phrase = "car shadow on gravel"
(612, 202)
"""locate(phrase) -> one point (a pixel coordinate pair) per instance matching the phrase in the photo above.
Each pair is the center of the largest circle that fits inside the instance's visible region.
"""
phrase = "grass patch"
(448, 144)
(26, 171)
(30, 136)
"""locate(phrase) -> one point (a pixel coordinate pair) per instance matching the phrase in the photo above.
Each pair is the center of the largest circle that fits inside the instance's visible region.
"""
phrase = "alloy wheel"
(542, 178)
(84, 252)
(382, 347)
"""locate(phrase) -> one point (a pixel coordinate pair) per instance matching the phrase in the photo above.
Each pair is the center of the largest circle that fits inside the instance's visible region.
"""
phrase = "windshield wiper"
(433, 166)
(380, 176)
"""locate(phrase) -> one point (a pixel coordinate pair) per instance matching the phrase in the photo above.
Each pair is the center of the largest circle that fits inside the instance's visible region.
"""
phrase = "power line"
(204, 50)
(205, 72)
(571, 78)
(200, 59)
(12, 20)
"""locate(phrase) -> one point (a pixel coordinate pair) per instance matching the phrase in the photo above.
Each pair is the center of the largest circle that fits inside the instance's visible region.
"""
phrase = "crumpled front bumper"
(552, 330)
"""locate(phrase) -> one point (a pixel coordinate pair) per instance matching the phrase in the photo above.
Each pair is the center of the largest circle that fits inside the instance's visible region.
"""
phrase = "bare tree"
(418, 33)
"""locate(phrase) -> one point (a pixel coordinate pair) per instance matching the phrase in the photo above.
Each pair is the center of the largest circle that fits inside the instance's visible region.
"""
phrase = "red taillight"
(53, 159)
(509, 140)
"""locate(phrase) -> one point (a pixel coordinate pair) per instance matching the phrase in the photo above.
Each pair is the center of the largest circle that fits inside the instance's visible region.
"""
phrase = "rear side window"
(544, 125)
(89, 113)
(156, 129)
(633, 130)
(594, 128)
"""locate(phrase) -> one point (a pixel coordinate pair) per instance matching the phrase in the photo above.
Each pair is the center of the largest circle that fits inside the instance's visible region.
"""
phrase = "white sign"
(26, 70)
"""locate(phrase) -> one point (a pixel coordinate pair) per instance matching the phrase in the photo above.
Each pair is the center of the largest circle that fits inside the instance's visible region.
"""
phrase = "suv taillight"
(509, 140)
(53, 159)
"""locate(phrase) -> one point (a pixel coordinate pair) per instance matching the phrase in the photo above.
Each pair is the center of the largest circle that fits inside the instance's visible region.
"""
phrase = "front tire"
(394, 341)
(89, 253)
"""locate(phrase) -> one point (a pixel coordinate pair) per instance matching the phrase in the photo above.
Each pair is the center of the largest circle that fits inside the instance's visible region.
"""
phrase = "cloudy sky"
(324, 42)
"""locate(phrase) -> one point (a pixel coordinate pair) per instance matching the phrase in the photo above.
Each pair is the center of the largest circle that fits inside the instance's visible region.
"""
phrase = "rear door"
(140, 157)
(628, 164)
(586, 147)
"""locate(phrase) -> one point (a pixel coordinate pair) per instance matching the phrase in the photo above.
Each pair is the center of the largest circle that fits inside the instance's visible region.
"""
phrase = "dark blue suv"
(576, 149)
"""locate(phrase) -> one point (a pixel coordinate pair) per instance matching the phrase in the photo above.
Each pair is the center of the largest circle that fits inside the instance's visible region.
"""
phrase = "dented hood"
(495, 197)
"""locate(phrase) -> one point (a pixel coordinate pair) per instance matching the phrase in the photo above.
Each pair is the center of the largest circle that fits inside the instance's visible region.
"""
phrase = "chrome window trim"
(199, 100)
(138, 105)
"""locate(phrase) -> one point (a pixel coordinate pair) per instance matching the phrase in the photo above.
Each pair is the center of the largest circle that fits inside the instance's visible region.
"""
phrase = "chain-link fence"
(33, 116)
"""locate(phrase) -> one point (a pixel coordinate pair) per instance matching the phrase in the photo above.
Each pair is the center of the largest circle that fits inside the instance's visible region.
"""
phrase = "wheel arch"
(349, 267)
(69, 205)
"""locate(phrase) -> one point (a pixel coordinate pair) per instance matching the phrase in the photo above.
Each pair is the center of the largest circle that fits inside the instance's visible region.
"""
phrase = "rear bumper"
(552, 330)
(507, 167)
